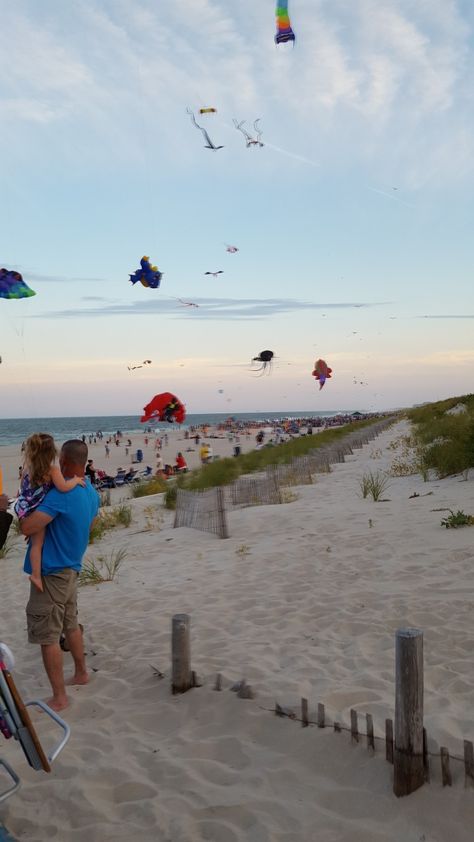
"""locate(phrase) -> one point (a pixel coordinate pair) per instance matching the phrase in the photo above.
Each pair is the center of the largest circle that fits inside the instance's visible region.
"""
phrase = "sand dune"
(303, 600)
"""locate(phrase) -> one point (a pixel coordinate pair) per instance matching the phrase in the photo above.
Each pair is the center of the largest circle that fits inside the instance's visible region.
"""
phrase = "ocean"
(16, 430)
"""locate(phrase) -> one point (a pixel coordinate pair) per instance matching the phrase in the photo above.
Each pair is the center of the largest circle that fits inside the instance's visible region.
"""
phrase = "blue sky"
(101, 164)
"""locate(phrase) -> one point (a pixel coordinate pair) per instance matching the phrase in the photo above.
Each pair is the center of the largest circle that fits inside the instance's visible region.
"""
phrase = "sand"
(303, 600)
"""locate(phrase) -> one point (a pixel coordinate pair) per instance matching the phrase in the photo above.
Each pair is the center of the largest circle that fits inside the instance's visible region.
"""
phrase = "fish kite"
(231, 249)
(13, 286)
(164, 407)
(321, 372)
(215, 274)
(148, 275)
(249, 140)
(284, 30)
(133, 367)
(209, 143)
(266, 360)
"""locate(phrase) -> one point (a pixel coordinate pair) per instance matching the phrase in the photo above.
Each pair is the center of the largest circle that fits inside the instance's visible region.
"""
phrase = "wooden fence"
(406, 744)
(205, 510)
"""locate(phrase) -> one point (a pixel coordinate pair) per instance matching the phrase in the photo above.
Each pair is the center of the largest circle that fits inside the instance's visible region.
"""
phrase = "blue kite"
(148, 275)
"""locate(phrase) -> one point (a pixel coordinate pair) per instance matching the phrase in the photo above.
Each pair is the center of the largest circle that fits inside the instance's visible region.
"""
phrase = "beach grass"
(444, 433)
(374, 484)
(146, 487)
(104, 569)
(119, 516)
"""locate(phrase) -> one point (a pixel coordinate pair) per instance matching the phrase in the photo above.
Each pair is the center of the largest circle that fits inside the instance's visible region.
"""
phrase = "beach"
(302, 600)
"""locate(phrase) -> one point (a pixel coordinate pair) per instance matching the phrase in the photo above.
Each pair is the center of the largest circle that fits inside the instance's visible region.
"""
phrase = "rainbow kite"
(284, 30)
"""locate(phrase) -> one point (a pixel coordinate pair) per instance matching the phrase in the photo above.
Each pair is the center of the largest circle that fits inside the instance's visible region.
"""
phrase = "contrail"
(389, 196)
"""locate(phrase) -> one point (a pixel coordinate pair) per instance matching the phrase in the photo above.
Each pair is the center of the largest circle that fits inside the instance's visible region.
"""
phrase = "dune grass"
(151, 486)
(446, 441)
(374, 484)
(119, 516)
(104, 569)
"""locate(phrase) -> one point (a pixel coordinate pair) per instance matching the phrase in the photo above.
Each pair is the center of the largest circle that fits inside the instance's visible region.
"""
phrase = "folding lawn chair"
(15, 722)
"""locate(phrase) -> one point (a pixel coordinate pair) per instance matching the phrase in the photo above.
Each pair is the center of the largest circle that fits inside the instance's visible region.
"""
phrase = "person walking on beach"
(67, 519)
(107, 451)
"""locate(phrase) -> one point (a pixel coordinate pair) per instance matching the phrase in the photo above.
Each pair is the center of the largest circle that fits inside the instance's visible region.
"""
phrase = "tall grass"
(374, 484)
(446, 441)
(119, 516)
(146, 487)
(104, 569)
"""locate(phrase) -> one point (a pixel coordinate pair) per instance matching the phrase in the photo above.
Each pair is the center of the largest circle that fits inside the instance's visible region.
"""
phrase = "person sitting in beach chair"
(15, 722)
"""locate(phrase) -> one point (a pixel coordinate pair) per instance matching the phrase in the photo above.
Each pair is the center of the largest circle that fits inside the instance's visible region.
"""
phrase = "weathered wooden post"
(181, 679)
(221, 514)
(408, 755)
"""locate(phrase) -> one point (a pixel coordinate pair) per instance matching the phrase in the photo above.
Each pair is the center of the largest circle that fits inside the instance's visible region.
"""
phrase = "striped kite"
(284, 30)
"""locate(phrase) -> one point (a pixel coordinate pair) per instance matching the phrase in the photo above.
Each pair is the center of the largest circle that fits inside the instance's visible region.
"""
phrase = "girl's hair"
(40, 453)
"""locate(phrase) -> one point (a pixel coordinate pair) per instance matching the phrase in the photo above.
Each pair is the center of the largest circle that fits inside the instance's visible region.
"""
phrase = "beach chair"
(15, 723)
(120, 478)
(147, 472)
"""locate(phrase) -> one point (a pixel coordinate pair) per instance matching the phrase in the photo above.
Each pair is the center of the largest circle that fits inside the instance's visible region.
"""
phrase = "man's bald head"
(73, 457)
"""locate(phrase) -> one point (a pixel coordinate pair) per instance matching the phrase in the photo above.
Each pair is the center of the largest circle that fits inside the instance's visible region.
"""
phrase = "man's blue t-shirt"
(67, 536)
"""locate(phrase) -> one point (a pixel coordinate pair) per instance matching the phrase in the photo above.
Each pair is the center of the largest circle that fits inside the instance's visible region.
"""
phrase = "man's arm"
(35, 522)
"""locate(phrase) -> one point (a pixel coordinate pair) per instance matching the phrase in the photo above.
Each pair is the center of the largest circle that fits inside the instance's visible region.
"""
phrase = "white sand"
(311, 611)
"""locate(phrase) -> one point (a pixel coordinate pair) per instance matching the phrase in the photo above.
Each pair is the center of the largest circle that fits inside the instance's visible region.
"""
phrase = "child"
(39, 475)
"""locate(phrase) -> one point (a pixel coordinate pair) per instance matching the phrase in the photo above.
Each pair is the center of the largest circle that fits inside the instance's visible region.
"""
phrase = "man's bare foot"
(78, 678)
(37, 582)
(58, 703)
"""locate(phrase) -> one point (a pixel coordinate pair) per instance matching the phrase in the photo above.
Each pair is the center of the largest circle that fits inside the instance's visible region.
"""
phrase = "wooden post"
(408, 756)
(218, 684)
(389, 740)
(181, 679)
(321, 716)
(304, 713)
(337, 727)
(445, 770)
(426, 759)
(354, 727)
(223, 531)
(370, 732)
(468, 763)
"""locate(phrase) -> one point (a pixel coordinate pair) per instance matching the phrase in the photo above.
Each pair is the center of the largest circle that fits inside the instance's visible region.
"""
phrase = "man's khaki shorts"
(53, 611)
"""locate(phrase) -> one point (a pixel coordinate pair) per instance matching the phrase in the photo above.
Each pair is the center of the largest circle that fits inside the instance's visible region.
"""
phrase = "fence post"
(223, 531)
(408, 754)
(181, 679)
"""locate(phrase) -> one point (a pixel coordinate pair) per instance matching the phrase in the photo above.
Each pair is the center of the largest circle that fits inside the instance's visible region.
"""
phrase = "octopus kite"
(148, 275)
(266, 360)
(13, 286)
(209, 143)
(284, 30)
(321, 372)
(164, 407)
(249, 140)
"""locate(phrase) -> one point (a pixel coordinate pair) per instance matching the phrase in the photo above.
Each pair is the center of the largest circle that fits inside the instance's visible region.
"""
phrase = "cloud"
(222, 309)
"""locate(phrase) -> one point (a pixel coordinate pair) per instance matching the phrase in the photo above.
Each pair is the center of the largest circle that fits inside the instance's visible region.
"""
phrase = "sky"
(353, 221)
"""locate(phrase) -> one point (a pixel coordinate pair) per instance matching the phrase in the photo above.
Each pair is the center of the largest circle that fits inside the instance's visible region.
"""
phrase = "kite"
(284, 30)
(266, 359)
(148, 275)
(231, 249)
(215, 274)
(208, 110)
(187, 303)
(133, 367)
(209, 143)
(164, 407)
(321, 372)
(13, 286)
(249, 140)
